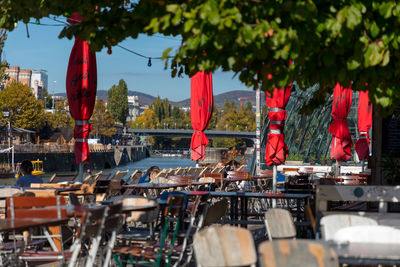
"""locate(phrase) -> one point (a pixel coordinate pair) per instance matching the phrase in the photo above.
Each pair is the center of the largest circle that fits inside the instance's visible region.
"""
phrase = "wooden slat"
(296, 253)
(224, 246)
(279, 224)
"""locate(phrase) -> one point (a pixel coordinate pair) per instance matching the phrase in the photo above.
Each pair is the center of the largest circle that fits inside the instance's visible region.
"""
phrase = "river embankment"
(65, 161)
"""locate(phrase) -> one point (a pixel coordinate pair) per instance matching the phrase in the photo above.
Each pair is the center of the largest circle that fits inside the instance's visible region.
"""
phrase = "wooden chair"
(111, 225)
(368, 234)
(89, 233)
(279, 224)
(33, 207)
(215, 212)
(154, 253)
(332, 223)
(57, 178)
(238, 174)
(293, 253)
(224, 246)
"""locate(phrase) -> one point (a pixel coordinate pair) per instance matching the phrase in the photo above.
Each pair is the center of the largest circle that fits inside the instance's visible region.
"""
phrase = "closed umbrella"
(341, 140)
(201, 108)
(364, 125)
(81, 87)
(276, 150)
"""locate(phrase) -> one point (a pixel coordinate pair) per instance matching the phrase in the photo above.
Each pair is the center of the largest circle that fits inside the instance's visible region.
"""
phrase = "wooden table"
(7, 225)
(366, 253)
(239, 203)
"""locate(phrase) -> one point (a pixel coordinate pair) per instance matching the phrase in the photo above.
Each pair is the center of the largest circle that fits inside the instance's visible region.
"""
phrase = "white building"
(39, 82)
(134, 108)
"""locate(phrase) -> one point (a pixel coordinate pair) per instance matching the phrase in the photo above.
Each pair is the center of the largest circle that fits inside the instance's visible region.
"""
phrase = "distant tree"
(162, 109)
(25, 110)
(146, 119)
(102, 120)
(61, 117)
(118, 101)
(3, 64)
(48, 99)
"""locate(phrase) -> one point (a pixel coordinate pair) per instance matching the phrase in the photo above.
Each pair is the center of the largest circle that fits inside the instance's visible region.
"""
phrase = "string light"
(149, 63)
(37, 21)
(109, 51)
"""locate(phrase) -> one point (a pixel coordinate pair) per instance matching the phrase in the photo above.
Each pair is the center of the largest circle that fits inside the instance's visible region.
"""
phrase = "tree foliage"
(25, 111)
(61, 117)
(118, 101)
(3, 64)
(329, 41)
(102, 120)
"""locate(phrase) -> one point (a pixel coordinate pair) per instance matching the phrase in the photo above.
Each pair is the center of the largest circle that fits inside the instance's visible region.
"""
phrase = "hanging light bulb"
(109, 51)
(149, 63)
(37, 21)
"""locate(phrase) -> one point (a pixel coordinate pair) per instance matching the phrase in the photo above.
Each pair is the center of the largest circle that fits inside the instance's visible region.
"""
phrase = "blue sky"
(44, 50)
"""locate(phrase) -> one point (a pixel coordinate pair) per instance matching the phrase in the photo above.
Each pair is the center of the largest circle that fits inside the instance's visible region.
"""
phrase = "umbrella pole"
(274, 178)
(362, 165)
(337, 168)
(80, 173)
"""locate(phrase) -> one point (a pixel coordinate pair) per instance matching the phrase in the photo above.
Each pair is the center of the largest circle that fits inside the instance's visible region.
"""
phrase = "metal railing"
(48, 148)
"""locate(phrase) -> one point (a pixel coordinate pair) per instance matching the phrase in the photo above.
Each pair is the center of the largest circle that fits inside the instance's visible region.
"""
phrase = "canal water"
(131, 166)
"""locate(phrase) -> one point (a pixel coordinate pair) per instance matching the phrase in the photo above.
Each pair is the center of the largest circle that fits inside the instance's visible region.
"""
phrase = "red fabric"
(341, 140)
(277, 151)
(364, 125)
(201, 108)
(81, 87)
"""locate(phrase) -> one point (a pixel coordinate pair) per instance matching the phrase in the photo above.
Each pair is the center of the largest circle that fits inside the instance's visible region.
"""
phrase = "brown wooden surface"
(293, 253)
(279, 224)
(7, 225)
(224, 246)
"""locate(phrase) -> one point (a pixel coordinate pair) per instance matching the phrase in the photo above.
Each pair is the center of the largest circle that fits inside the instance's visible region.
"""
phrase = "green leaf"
(172, 8)
(374, 30)
(354, 17)
(352, 64)
(386, 58)
(188, 25)
(386, 9)
(166, 53)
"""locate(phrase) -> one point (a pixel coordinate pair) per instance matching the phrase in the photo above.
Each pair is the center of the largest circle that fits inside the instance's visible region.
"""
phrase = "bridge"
(188, 133)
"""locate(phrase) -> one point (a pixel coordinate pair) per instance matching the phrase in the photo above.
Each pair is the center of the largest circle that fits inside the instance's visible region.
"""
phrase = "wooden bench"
(383, 195)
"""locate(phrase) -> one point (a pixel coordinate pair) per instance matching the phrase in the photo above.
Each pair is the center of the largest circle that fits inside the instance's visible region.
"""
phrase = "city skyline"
(43, 50)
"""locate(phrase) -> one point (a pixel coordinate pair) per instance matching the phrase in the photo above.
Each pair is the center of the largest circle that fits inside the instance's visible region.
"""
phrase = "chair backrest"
(368, 234)
(238, 174)
(175, 179)
(140, 216)
(293, 253)
(36, 207)
(61, 178)
(134, 175)
(332, 223)
(119, 175)
(215, 212)
(224, 246)
(176, 205)
(113, 216)
(279, 224)
(91, 223)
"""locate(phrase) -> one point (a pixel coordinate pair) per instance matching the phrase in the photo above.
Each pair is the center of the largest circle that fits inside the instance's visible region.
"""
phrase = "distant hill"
(219, 100)
(144, 99)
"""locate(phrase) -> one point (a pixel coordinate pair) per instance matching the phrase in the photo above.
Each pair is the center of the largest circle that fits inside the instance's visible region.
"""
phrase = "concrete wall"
(65, 162)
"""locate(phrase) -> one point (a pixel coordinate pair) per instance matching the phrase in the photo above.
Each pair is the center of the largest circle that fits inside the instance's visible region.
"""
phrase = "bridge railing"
(48, 148)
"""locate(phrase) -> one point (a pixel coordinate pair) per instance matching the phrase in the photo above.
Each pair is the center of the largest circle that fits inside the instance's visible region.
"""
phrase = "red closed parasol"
(364, 125)
(341, 140)
(201, 103)
(81, 87)
(277, 151)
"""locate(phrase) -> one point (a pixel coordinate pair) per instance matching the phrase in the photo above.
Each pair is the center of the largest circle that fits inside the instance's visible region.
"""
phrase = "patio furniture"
(368, 234)
(358, 194)
(224, 246)
(112, 224)
(293, 253)
(153, 253)
(89, 234)
(32, 207)
(57, 178)
(332, 223)
(215, 212)
(279, 224)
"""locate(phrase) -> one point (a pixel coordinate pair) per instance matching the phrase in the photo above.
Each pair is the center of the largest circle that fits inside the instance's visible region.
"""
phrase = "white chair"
(224, 246)
(368, 234)
(279, 224)
(332, 223)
